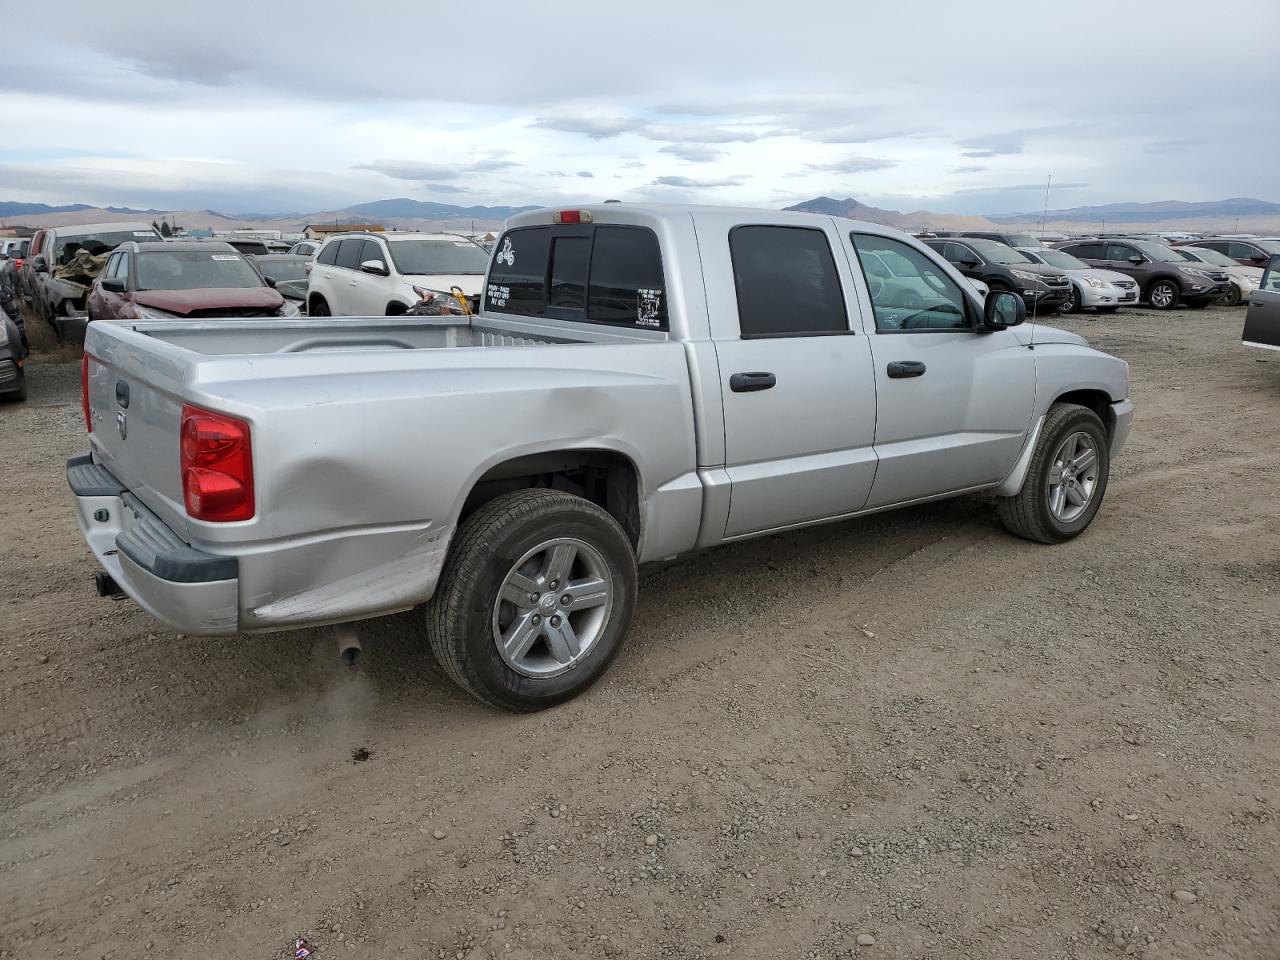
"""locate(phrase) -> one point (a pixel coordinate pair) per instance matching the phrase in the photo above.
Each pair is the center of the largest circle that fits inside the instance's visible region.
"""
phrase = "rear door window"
(786, 282)
(328, 255)
(1088, 251)
(349, 253)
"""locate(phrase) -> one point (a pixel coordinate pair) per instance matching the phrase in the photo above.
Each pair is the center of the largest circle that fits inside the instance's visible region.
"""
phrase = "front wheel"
(1163, 295)
(1074, 301)
(534, 600)
(319, 308)
(1232, 298)
(1066, 480)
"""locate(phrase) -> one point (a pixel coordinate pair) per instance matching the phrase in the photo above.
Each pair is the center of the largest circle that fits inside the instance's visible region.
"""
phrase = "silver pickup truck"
(640, 382)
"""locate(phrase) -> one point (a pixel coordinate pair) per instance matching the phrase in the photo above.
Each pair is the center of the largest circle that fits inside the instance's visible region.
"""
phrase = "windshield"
(1209, 256)
(446, 257)
(193, 270)
(97, 243)
(996, 252)
(284, 269)
(1157, 251)
(1024, 240)
(1061, 259)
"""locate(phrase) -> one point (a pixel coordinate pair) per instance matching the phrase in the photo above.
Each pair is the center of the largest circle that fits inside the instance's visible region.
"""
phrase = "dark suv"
(1164, 276)
(1009, 239)
(1001, 267)
(1251, 252)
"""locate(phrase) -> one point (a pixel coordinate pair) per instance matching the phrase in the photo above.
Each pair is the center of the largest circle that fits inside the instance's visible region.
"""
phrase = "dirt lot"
(912, 728)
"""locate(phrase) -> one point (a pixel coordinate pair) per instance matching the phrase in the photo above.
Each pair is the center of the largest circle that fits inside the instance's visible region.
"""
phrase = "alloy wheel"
(553, 607)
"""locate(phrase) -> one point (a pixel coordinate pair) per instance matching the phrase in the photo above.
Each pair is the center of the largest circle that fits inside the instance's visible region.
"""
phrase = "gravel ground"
(906, 736)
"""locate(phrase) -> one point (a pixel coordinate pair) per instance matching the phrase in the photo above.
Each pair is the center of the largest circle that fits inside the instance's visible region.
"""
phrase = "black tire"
(1073, 301)
(319, 308)
(485, 550)
(1027, 514)
(1233, 297)
(1163, 295)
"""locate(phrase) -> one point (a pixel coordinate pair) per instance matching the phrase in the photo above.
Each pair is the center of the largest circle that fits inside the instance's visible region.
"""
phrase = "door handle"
(750, 382)
(904, 369)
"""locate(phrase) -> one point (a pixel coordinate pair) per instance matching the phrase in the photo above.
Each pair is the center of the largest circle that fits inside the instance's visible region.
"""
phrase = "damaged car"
(70, 259)
(287, 273)
(169, 280)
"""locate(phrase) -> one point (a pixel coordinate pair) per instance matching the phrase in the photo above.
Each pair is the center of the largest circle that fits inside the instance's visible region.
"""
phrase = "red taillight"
(84, 391)
(571, 216)
(217, 466)
(18, 262)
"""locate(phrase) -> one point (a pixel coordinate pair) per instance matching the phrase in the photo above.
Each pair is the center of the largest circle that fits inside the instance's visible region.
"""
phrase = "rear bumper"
(192, 591)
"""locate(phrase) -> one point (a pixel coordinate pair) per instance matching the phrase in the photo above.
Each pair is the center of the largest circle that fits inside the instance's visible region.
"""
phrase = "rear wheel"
(534, 600)
(1163, 295)
(1066, 480)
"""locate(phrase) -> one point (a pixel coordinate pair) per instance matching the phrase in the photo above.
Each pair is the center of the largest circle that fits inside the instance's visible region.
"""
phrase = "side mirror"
(113, 284)
(376, 267)
(1260, 260)
(1136, 260)
(1002, 310)
(271, 282)
(967, 264)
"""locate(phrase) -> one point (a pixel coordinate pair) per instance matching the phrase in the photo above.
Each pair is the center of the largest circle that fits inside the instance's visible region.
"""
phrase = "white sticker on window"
(507, 254)
(498, 296)
(648, 304)
(225, 256)
(145, 233)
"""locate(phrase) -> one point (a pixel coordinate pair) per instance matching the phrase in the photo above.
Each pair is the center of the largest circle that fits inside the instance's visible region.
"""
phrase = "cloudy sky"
(953, 106)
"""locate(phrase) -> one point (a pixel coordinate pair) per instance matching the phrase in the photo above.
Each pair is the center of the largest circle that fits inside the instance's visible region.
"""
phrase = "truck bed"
(227, 337)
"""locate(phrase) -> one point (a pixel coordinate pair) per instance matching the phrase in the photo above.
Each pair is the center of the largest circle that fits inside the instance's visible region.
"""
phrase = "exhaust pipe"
(106, 585)
(349, 649)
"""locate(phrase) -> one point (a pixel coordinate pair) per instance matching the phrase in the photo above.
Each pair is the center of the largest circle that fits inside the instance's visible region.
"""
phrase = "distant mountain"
(854, 210)
(1174, 210)
(402, 208)
(12, 208)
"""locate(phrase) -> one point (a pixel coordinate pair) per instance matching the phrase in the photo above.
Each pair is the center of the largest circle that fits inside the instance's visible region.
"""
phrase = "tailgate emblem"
(122, 425)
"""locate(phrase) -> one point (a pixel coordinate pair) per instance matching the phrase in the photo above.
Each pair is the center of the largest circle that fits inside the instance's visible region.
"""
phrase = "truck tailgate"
(135, 407)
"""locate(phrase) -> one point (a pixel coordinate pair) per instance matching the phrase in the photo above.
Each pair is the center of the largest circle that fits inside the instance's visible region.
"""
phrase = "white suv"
(374, 275)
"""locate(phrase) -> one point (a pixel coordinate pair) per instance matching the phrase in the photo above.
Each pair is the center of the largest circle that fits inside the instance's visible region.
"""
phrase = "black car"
(1165, 277)
(1043, 289)
(1009, 239)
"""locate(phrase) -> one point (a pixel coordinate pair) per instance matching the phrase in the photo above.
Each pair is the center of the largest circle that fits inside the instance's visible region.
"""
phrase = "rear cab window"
(607, 274)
